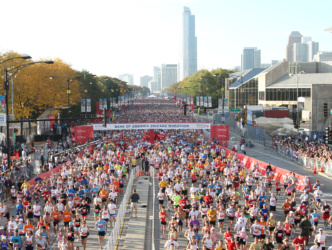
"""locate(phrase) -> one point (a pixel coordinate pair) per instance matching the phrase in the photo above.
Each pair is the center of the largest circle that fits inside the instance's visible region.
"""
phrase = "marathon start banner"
(156, 125)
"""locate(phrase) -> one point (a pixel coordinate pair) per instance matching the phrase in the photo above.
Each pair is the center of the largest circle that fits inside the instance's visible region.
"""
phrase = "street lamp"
(223, 97)
(19, 57)
(69, 81)
(297, 95)
(13, 71)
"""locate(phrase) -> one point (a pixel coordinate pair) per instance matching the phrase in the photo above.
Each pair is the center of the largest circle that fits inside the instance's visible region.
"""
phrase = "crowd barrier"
(55, 170)
(310, 163)
(113, 238)
(278, 173)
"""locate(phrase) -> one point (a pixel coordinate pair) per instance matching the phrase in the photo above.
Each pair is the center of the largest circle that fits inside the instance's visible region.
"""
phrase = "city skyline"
(188, 64)
(154, 37)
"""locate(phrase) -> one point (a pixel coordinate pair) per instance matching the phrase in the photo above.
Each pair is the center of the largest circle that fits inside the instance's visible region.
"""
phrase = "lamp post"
(297, 94)
(26, 57)
(13, 71)
(204, 77)
(223, 98)
(69, 81)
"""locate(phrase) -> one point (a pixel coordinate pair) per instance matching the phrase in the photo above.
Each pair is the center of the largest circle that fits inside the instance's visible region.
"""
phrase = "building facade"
(294, 37)
(301, 52)
(313, 48)
(168, 75)
(323, 56)
(144, 80)
(156, 77)
(251, 58)
(129, 78)
(189, 44)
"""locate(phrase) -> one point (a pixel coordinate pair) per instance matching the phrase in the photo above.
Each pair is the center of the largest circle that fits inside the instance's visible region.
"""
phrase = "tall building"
(189, 44)
(306, 39)
(313, 48)
(294, 37)
(251, 58)
(129, 78)
(144, 80)
(323, 56)
(156, 77)
(168, 75)
(301, 52)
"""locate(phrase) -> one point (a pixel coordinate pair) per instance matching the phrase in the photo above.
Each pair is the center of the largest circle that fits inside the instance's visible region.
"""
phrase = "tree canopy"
(35, 90)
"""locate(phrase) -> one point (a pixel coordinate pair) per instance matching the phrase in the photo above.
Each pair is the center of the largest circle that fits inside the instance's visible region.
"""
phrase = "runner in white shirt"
(321, 238)
(161, 197)
(36, 212)
(111, 210)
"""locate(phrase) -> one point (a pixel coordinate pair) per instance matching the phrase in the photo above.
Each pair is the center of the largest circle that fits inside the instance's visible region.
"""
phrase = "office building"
(295, 37)
(306, 39)
(251, 58)
(128, 78)
(144, 80)
(153, 86)
(313, 48)
(189, 44)
(168, 75)
(323, 56)
(156, 77)
(274, 87)
(301, 52)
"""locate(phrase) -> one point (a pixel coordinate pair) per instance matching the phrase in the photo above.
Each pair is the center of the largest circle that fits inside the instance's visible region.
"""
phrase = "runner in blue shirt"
(70, 192)
(101, 230)
(315, 217)
(94, 190)
(16, 240)
(19, 208)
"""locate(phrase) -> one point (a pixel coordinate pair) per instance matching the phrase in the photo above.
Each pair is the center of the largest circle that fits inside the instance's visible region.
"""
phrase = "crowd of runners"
(207, 199)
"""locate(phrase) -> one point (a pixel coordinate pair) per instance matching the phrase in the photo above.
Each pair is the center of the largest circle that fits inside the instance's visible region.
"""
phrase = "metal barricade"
(113, 238)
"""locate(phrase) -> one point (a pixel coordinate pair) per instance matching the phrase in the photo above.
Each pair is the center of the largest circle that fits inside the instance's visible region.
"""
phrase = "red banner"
(278, 173)
(51, 122)
(82, 133)
(220, 132)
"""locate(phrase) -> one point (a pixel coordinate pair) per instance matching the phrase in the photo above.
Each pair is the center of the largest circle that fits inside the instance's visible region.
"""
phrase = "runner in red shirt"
(299, 241)
(231, 245)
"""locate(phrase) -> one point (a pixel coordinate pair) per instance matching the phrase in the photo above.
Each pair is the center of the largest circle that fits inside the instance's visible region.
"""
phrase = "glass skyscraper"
(189, 45)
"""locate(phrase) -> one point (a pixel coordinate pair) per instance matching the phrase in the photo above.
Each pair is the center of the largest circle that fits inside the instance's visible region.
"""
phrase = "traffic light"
(326, 113)
(328, 136)
(104, 117)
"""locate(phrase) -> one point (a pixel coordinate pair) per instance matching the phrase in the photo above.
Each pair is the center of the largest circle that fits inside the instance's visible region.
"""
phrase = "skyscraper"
(294, 37)
(144, 80)
(156, 77)
(189, 45)
(251, 58)
(300, 52)
(168, 75)
(129, 78)
(313, 48)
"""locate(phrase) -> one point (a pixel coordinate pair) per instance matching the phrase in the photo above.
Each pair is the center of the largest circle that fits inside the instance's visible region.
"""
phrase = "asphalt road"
(264, 154)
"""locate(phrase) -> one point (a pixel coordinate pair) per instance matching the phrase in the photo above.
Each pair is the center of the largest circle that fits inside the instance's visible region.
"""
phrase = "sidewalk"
(135, 236)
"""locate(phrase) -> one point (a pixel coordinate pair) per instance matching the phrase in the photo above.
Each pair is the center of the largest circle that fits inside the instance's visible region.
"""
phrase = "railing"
(152, 172)
(113, 238)
(307, 162)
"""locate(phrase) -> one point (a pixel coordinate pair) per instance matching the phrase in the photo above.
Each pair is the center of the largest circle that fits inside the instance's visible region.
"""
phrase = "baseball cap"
(271, 214)
(321, 229)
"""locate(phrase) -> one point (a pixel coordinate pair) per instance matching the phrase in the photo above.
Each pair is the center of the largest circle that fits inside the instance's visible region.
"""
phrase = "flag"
(113, 117)
(17, 156)
(198, 111)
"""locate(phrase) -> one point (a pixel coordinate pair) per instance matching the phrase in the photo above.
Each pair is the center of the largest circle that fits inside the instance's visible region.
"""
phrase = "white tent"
(152, 96)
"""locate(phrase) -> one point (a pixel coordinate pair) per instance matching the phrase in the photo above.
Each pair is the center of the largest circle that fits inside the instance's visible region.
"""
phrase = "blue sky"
(110, 37)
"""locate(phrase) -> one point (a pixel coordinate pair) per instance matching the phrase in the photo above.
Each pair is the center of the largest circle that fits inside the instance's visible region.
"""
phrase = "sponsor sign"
(143, 126)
